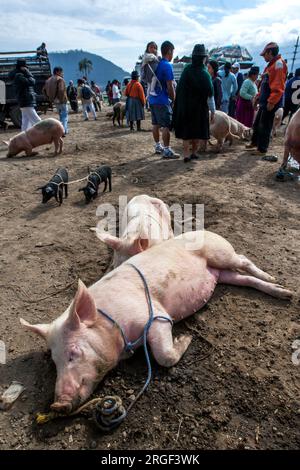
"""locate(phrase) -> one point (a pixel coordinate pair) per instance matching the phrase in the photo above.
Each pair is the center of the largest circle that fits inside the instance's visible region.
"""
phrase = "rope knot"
(109, 413)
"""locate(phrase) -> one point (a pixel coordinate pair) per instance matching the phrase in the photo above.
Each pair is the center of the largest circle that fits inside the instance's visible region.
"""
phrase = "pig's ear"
(83, 309)
(41, 329)
(6, 142)
(139, 245)
(114, 242)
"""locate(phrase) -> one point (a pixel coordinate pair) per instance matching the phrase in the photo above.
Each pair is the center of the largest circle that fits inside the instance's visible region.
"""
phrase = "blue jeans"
(225, 106)
(62, 110)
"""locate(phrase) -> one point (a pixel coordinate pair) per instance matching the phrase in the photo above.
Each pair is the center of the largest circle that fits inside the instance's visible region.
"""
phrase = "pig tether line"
(109, 411)
(77, 181)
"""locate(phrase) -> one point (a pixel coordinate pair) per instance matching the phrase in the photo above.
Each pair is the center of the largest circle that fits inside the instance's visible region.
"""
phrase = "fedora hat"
(199, 50)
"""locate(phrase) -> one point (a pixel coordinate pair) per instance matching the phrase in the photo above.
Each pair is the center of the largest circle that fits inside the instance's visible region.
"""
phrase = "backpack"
(86, 92)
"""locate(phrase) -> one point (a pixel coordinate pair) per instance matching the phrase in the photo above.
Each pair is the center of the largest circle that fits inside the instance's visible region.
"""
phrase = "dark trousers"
(262, 128)
(289, 109)
(232, 107)
(74, 105)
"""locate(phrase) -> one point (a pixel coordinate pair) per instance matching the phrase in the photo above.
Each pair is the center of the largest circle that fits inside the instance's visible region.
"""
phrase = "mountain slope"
(103, 70)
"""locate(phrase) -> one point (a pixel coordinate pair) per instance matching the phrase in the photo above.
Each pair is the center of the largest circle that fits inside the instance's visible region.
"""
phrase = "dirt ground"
(236, 387)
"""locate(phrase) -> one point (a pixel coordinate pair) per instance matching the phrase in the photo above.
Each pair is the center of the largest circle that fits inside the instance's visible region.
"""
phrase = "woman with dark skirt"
(135, 102)
(245, 103)
(191, 116)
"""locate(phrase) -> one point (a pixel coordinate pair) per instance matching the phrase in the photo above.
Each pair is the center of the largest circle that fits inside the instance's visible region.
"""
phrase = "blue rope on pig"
(129, 347)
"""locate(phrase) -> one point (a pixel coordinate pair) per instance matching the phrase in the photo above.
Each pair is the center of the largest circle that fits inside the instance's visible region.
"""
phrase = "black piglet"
(100, 175)
(54, 187)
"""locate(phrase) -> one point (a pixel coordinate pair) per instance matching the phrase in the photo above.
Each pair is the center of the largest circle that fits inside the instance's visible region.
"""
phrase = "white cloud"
(76, 25)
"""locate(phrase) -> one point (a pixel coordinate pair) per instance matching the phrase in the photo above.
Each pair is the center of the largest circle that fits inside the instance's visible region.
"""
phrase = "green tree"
(85, 65)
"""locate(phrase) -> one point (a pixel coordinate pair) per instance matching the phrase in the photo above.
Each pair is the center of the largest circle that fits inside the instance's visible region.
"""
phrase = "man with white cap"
(270, 98)
(235, 69)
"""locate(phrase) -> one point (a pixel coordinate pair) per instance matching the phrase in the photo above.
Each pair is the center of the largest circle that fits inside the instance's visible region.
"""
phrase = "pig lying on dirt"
(220, 129)
(182, 274)
(292, 139)
(44, 132)
(237, 129)
(146, 222)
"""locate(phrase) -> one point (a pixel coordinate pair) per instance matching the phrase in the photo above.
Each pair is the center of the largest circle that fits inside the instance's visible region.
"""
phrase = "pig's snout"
(65, 403)
(62, 407)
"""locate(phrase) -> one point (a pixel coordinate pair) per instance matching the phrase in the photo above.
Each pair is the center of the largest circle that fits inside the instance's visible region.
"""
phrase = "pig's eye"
(74, 353)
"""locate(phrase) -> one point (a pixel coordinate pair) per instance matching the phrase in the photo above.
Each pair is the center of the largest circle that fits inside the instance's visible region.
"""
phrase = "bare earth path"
(245, 392)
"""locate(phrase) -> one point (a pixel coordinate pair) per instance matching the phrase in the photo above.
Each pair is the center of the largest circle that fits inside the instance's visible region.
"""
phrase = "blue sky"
(119, 30)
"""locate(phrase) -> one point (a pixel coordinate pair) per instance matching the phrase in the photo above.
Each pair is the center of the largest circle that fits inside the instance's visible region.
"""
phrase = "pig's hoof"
(283, 293)
(183, 341)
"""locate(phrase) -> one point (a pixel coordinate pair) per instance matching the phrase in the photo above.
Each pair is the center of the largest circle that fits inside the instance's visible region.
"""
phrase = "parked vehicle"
(40, 68)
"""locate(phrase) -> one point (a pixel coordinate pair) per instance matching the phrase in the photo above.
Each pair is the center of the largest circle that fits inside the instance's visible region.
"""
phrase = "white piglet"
(146, 222)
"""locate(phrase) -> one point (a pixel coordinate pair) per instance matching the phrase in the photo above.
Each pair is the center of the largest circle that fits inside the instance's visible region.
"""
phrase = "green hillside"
(103, 70)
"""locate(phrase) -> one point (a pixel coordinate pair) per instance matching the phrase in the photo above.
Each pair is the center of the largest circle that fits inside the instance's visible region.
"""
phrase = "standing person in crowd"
(270, 98)
(160, 103)
(229, 86)
(26, 97)
(150, 62)
(3, 124)
(191, 116)
(97, 100)
(125, 83)
(213, 68)
(246, 100)
(235, 69)
(86, 81)
(72, 96)
(291, 87)
(116, 93)
(108, 90)
(86, 95)
(55, 89)
(135, 102)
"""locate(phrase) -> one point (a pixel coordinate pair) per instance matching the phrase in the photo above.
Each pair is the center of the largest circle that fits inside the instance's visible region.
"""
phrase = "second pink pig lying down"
(181, 273)
(42, 133)
(146, 222)
(292, 139)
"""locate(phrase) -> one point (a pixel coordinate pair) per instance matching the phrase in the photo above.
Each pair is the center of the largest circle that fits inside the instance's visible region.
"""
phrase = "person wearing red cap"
(270, 98)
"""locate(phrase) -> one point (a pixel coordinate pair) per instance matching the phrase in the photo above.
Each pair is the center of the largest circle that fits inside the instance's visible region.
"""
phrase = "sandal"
(270, 158)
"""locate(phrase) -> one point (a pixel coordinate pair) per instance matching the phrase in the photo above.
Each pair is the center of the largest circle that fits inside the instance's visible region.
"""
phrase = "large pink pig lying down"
(85, 345)
(42, 133)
